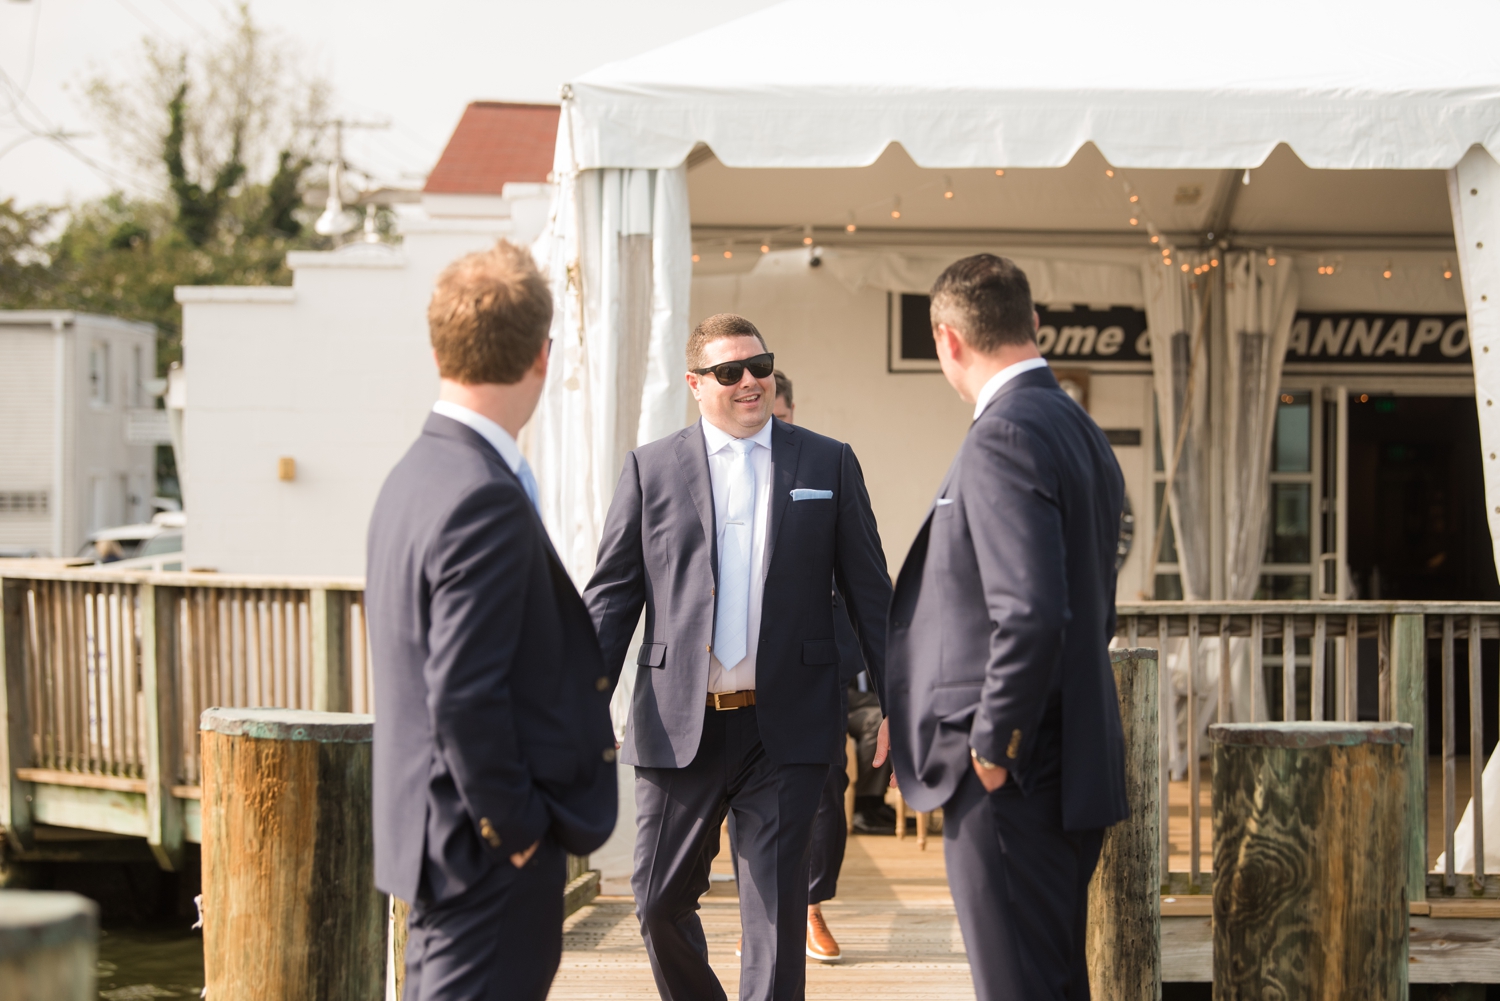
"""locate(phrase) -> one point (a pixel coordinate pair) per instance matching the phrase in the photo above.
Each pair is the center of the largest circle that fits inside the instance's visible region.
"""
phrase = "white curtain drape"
(619, 257)
(1474, 197)
(1260, 301)
(1178, 319)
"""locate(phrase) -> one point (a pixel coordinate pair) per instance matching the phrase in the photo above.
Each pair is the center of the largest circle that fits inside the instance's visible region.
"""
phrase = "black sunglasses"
(729, 373)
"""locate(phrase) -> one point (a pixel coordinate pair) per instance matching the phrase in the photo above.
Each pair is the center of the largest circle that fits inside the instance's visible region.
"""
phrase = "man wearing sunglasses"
(727, 534)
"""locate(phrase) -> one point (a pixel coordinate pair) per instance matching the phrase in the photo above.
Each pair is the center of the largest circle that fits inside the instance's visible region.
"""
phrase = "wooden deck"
(893, 918)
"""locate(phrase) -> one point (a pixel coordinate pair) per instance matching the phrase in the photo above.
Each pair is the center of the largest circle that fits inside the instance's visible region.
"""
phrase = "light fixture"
(1134, 221)
(1214, 262)
(1108, 172)
(850, 227)
(1167, 261)
(1447, 271)
(1134, 199)
(728, 254)
(1364, 397)
(1271, 257)
(896, 208)
(1156, 239)
(1184, 267)
(695, 258)
(999, 173)
(807, 236)
(765, 248)
(947, 187)
(1386, 274)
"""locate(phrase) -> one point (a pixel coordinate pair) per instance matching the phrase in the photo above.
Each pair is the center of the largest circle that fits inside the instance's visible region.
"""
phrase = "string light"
(1447, 271)
(1184, 267)
(695, 258)
(896, 208)
(1134, 221)
(807, 236)
(1134, 199)
(1386, 274)
(999, 173)
(947, 187)
(849, 227)
(1155, 239)
(1271, 257)
(765, 248)
(728, 254)
(1214, 263)
(1108, 172)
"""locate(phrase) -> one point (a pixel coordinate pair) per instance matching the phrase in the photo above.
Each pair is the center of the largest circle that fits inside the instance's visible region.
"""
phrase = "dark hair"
(489, 316)
(987, 299)
(783, 386)
(715, 328)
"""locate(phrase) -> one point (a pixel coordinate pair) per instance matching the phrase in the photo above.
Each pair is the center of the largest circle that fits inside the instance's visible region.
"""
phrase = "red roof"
(496, 142)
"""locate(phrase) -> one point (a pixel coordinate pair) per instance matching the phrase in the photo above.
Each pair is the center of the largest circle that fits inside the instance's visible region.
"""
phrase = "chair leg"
(900, 817)
(921, 831)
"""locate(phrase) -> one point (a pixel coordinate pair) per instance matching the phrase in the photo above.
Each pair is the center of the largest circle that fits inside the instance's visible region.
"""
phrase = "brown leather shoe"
(820, 943)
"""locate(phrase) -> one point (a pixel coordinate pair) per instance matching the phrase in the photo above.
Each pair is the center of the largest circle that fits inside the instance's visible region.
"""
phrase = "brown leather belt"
(731, 700)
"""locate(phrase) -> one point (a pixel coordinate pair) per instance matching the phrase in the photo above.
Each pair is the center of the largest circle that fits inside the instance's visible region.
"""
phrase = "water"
(137, 962)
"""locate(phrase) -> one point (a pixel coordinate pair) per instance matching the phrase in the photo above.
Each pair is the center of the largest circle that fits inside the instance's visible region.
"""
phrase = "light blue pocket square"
(944, 501)
(804, 494)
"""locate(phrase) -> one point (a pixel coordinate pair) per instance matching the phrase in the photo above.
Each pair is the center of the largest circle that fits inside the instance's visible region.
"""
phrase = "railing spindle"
(1164, 688)
(1259, 710)
(1194, 807)
(1450, 754)
(1476, 749)
(1351, 668)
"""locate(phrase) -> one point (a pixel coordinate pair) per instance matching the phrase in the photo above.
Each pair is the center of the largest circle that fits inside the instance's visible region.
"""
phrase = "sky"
(414, 64)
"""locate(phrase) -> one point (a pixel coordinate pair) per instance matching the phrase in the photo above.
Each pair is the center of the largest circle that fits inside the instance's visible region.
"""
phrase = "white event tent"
(1068, 133)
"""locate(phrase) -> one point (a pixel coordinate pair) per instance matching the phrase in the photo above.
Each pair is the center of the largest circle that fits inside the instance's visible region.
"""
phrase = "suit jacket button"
(487, 831)
(709, 647)
(601, 684)
(609, 754)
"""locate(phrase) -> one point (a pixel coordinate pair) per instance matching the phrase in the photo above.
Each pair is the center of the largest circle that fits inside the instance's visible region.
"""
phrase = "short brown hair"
(783, 387)
(489, 316)
(716, 328)
(988, 300)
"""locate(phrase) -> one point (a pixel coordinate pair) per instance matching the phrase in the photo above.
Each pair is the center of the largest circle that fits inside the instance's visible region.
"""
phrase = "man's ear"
(692, 381)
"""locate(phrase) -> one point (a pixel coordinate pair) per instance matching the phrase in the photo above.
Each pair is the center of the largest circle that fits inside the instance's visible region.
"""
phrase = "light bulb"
(765, 248)
(1184, 267)
(1271, 261)
(1167, 261)
(895, 213)
(1156, 239)
(1134, 221)
(1134, 199)
(1214, 262)
(807, 241)
(1108, 172)
(695, 258)
(850, 228)
(728, 254)
(999, 173)
(947, 187)
(1387, 272)
(1447, 274)
(947, 194)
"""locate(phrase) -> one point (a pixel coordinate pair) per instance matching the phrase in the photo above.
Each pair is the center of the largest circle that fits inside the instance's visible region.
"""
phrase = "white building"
(80, 428)
(301, 399)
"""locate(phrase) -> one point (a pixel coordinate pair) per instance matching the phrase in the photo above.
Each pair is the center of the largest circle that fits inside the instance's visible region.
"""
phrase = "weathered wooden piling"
(48, 944)
(1124, 930)
(1310, 859)
(290, 909)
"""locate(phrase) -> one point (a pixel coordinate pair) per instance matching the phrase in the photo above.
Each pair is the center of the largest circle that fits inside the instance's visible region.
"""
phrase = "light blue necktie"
(528, 483)
(732, 619)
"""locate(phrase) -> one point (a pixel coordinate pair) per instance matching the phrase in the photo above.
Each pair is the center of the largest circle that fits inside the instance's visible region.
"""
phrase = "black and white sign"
(1380, 338)
(1080, 334)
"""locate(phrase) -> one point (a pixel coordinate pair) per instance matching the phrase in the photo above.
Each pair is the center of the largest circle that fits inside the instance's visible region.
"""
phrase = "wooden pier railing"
(106, 675)
(1320, 679)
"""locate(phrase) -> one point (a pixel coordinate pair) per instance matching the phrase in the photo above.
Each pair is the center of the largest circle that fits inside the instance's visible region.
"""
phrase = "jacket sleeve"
(478, 574)
(617, 591)
(859, 568)
(1014, 519)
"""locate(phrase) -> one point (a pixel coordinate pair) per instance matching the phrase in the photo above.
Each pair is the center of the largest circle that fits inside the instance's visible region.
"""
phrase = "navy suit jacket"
(1004, 610)
(659, 553)
(491, 710)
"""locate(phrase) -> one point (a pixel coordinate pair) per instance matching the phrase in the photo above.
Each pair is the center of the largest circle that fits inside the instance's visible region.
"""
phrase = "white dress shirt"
(488, 430)
(720, 458)
(1000, 378)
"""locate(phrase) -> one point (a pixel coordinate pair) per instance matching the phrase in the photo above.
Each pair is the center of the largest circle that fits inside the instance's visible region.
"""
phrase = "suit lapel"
(785, 449)
(692, 458)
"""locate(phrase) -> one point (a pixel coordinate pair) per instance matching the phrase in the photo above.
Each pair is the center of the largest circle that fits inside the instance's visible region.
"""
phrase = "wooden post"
(330, 650)
(1408, 702)
(15, 717)
(1124, 929)
(1310, 858)
(290, 908)
(164, 812)
(48, 945)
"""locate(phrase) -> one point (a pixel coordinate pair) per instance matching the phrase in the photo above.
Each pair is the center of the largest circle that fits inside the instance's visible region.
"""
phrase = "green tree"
(226, 138)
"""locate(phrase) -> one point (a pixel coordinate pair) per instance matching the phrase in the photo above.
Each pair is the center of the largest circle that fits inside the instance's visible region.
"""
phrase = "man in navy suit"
(494, 754)
(728, 534)
(1000, 698)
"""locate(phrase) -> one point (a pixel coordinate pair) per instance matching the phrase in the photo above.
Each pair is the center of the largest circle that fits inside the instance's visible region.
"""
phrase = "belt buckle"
(718, 703)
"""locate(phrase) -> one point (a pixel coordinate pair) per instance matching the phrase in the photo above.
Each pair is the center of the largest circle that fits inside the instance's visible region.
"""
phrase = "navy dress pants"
(499, 940)
(1021, 887)
(679, 812)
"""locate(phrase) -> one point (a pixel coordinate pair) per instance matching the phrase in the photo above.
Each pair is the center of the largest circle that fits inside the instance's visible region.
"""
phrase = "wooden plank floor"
(893, 918)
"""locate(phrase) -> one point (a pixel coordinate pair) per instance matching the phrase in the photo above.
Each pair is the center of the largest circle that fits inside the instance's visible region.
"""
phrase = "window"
(1287, 563)
(99, 372)
(23, 502)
